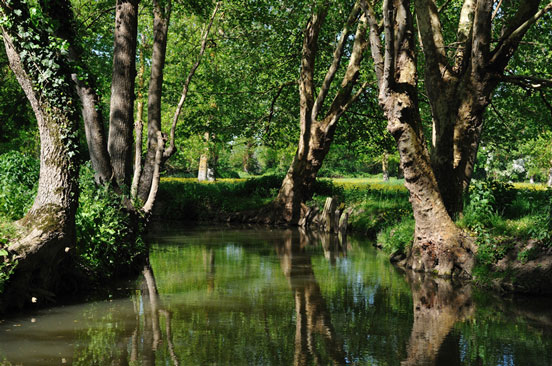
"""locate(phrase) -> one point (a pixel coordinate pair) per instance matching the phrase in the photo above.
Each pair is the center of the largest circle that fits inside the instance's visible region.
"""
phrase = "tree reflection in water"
(438, 305)
(312, 315)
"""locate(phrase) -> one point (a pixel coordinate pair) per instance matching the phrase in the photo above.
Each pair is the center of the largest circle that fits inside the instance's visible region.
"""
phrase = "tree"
(318, 125)
(459, 90)
(37, 58)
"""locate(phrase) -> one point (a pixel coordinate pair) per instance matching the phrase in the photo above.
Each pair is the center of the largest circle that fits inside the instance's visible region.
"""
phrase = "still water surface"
(226, 296)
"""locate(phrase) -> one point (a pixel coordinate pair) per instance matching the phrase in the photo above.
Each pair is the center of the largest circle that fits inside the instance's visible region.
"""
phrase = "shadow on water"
(282, 297)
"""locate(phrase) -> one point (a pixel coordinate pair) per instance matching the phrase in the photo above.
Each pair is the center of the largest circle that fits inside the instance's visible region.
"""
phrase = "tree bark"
(121, 117)
(85, 85)
(317, 132)
(439, 246)
(49, 224)
(161, 19)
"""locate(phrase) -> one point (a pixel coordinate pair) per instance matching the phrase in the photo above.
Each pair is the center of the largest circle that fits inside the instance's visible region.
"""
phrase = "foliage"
(107, 239)
(398, 237)
(19, 181)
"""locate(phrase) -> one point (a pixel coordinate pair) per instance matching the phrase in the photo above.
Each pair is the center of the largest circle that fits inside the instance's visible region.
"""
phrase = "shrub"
(107, 241)
(19, 181)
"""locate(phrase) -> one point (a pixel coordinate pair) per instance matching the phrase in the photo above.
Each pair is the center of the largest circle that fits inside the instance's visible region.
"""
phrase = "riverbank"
(511, 222)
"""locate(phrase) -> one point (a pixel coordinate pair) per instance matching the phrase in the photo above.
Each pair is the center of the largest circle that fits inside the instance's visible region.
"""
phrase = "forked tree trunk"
(121, 117)
(50, 223)
(439, 246)
(317, 132)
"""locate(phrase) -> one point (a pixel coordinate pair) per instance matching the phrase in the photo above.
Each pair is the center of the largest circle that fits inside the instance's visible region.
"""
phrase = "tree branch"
(273, 104)
(389, 56)
(465, 26)
(338, 53)
(343, 98)
(443, 7)
(148, 206)
(376, 47)
(527, 15)
(546, 103)
(171, 149)
(495, 12)
(481, 37)
(433, 43)
(308, 56)
(527, 82)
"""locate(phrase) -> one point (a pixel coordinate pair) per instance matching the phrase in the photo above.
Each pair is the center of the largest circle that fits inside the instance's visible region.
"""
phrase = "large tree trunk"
(439, 246)
(121, 117)
(49, 224)
(161, 18)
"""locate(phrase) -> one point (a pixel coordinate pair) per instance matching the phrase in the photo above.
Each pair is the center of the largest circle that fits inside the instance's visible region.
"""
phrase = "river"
(257, 296)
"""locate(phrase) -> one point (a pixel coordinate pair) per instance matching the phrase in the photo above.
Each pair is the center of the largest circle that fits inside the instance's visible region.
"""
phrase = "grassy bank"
(377, 208)
(504, 217)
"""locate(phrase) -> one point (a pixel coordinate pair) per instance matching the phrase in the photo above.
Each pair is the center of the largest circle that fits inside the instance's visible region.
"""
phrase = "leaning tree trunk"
(49, 224)
(317, 129)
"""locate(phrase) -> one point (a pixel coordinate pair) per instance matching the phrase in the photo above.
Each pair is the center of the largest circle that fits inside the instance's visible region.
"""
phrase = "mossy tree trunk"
(49, 226)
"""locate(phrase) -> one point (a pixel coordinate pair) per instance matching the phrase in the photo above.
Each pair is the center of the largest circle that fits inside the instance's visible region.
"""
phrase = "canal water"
(227, 296)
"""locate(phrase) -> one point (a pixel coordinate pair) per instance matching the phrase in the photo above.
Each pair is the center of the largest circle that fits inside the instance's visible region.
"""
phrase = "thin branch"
(496, 10)
(171, 149)
(527, 82)
(273, 104)
(526, 17)
(443, 7)
(338, 53)
(355, 97)
(102, 13)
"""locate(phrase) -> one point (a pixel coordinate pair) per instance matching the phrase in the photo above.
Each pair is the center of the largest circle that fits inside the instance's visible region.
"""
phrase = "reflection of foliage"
(99, 344)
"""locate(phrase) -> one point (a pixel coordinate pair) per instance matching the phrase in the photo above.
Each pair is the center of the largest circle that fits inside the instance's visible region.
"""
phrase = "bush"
(19, 181)
(107, 241)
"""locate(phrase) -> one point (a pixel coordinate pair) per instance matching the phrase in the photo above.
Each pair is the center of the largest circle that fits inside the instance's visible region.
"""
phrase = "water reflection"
(312, 315)
(438, 305)
(282, 297)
